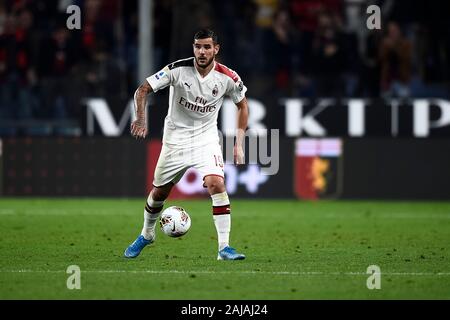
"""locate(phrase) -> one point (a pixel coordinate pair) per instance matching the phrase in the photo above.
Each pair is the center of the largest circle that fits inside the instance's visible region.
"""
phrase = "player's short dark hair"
(206, 33)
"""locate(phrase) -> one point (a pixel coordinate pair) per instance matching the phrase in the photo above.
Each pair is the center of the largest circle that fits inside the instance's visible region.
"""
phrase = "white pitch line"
(287, 273)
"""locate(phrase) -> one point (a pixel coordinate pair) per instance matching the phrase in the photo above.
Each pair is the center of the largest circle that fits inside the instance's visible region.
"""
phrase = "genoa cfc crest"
(318, 169)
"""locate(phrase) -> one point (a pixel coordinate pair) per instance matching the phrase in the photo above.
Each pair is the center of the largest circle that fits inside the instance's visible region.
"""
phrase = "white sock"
(152, 212)
(223, 227)
(222, 218)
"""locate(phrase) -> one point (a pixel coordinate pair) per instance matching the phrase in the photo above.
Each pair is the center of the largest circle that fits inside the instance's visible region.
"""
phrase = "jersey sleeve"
(161, 79)
(236, 90)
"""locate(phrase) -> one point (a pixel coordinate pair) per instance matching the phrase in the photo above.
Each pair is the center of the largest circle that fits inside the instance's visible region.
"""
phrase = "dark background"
(281, 49)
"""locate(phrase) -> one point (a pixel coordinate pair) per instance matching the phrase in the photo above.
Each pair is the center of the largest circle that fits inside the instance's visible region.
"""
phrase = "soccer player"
(198, 86)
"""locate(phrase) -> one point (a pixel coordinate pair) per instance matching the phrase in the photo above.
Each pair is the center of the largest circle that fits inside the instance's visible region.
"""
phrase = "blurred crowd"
(301, 48)
(323, 48)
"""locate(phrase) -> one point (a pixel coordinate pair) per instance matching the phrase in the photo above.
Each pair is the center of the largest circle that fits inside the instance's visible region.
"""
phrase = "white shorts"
(173, 163)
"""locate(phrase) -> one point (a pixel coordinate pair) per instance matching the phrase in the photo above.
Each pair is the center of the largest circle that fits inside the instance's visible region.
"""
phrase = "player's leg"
(152, 211)
(220, 209)
(153, 208)
(209, 161)
(169, 170)
(222, 217)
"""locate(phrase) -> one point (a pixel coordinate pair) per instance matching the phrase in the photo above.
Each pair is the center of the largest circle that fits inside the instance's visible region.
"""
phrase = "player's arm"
(240, 134)
(139, 126)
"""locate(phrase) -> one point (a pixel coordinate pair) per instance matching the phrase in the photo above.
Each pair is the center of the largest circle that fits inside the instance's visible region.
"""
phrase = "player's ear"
(216, 48)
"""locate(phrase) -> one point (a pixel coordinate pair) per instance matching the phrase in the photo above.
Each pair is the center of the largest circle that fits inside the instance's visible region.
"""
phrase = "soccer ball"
(175, 221)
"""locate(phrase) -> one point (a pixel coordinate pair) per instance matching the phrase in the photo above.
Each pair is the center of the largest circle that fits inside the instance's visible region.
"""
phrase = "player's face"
(205, 51)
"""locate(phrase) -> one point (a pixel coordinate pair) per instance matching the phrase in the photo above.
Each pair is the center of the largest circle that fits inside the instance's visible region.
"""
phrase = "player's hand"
(238, 154)
(138, 129)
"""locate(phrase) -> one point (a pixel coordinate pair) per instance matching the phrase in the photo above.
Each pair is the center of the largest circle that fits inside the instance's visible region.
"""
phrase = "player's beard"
(206, 64)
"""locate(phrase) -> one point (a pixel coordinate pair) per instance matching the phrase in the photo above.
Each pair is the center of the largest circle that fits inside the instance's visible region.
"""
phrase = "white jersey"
(194, 101)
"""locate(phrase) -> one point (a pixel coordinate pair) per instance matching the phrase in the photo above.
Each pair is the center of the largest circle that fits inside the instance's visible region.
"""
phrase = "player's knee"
(215, 185)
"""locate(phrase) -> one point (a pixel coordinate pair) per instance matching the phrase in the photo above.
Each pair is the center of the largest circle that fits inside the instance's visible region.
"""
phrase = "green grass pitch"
(295, 250)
